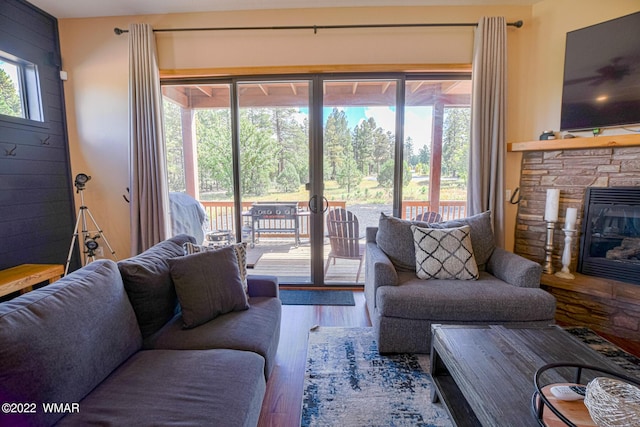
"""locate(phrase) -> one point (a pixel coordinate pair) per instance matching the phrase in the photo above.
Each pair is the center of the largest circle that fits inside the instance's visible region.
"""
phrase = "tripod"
(89, 238)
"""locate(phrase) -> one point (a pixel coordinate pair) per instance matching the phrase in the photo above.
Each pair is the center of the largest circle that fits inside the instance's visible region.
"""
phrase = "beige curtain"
(149, 194)
(487, 153)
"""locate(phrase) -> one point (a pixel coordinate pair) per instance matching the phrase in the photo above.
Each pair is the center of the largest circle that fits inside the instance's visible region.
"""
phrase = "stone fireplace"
(603, 304)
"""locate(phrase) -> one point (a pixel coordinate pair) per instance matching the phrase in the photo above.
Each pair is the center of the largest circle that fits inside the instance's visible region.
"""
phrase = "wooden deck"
(280, 257)
(277, 254)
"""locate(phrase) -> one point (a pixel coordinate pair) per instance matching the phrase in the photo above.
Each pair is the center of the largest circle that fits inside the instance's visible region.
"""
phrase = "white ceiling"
(93, 8)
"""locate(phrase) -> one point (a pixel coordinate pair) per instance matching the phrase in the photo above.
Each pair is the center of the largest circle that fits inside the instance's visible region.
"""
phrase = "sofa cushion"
(208, 284)
(256, 330)
(171, 387)
(148, 283)
(486, 300)
(59, 342)
(444, 253)
(241, 254)
(395, 238)
(482, 238)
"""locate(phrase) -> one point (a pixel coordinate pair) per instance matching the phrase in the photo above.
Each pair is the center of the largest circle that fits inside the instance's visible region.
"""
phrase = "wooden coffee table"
(484, 374)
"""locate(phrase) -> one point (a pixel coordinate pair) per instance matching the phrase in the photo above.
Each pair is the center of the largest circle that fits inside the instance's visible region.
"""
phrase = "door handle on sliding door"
(313, 204)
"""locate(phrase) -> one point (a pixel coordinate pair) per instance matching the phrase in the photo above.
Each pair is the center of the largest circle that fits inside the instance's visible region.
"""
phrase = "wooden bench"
(23, 277)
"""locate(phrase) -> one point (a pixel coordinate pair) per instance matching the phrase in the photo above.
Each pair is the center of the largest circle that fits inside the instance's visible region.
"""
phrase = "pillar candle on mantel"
(570, 219)
(552, 206)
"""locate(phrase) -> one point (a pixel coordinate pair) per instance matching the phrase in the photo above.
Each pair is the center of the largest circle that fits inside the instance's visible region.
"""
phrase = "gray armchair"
(402, 307)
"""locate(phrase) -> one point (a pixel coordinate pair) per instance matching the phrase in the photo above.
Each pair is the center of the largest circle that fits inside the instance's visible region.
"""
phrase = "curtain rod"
(315, 28)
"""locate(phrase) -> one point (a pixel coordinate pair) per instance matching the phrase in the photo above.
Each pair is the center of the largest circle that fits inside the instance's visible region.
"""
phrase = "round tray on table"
(552, 412)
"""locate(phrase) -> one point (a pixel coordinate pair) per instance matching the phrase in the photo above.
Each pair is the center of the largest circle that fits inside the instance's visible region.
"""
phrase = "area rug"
(315, 297)
(347, 383)
(626, 360)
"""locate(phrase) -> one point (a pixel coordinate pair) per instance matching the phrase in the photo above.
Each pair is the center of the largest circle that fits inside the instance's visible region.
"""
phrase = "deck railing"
(221, 216)
(448, 209)
(221, 213)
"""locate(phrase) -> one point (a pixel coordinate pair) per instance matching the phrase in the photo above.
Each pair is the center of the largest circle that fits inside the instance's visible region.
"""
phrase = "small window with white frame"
(19, 88)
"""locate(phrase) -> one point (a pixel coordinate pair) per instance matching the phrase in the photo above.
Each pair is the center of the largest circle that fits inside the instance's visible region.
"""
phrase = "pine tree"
(363, 145)
(336, 139)
(455, 142)
(10, 104)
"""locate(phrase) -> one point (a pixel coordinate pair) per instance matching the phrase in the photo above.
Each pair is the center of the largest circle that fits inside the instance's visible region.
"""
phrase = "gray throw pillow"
(149, 286)
(444, 253)
(241, 254)
(208, 284)
(482, 238)
(395, 238)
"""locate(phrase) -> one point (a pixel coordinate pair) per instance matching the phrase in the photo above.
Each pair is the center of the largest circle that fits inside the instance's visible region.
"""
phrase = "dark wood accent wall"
(37, 213)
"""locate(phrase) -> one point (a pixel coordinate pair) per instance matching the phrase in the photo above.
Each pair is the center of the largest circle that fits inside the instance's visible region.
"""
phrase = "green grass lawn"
(368, 191)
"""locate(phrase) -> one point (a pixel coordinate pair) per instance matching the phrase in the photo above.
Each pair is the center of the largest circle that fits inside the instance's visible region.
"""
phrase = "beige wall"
(538, 87)
(97, 64)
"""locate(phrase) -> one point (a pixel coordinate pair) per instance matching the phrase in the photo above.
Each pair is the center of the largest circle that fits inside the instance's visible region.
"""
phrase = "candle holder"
(566, 255)
(547, 267)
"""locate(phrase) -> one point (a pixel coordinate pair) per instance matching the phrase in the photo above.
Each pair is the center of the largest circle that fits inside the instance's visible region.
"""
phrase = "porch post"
(190, 152)
(436, 157)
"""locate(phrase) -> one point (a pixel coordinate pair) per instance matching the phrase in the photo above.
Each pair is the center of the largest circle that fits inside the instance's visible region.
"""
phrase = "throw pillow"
(148, 283)
(482, 238)
(444, 253)
(208, 285)
(395, 239)
(241, 254)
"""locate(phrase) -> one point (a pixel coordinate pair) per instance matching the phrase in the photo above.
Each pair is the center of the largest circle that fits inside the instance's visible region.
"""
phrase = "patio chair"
(344, 237)
(428, 216)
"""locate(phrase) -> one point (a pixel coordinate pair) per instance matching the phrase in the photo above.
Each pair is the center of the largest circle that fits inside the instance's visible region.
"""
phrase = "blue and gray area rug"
(347, 383)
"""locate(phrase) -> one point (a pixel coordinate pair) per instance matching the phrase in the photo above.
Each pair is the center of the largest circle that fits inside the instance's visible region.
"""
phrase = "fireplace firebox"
(610, 241)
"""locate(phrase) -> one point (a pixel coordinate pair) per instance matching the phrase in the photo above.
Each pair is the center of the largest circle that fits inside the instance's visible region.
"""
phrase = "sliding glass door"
(273, 118)
(359, 145)
(299, 167)
(437, 126)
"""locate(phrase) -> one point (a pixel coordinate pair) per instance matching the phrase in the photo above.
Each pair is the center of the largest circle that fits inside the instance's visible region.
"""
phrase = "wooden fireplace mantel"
(602, 141)
(601, 304)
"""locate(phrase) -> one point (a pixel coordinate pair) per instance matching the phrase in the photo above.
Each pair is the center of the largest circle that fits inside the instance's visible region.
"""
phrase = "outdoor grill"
(276, 218)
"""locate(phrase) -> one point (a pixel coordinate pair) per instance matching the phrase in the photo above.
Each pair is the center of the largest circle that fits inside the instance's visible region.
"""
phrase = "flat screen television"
(601, 85)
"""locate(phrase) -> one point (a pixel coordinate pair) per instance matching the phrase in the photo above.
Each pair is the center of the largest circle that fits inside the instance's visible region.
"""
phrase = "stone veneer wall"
(603, 305)
(571, 171)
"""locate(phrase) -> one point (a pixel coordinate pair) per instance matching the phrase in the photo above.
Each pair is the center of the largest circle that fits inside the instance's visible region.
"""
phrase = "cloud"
(418, 122)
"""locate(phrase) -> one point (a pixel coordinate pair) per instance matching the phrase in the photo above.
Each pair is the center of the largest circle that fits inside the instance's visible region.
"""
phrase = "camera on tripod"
(80, 181)
(91, 244)
(88, 238)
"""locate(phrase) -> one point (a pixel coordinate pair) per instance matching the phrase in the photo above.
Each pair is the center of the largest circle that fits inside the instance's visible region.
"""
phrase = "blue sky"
(417, 120)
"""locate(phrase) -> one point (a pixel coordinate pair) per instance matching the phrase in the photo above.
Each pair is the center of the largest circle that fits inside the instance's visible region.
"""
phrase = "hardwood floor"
(282, 403)
(283, 400)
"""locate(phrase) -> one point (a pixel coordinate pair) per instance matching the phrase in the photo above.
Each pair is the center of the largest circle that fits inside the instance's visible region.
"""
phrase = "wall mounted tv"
(601, 85)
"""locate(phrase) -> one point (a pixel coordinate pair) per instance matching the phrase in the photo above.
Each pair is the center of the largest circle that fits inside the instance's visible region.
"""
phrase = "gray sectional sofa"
(402, 307)
(108, 342)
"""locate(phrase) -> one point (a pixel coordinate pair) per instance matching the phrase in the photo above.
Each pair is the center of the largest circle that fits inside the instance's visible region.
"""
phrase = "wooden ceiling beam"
(176, 94)
(417, 86)
(207, 90)
(290, 94)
